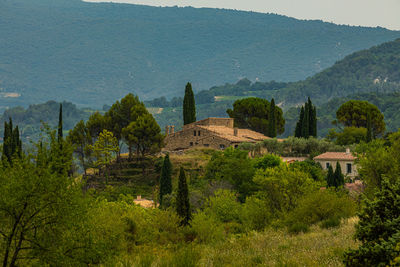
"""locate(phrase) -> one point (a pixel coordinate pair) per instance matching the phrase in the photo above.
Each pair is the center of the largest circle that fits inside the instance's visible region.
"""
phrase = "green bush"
(223, 206)
(282, 187)
(206, 228)
(330, 223)
(185, 257)
(234, 166)
(298, 227)
(320, 206)
(378, 229)
(255, 214)
(267, 161)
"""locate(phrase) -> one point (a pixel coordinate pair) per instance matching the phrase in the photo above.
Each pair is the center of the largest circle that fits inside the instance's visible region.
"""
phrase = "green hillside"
(31, 119)
(91, 54)
(371, 74)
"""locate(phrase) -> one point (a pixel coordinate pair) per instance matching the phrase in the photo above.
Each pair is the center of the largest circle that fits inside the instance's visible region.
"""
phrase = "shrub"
(298, 227)
(311, 167)
(234, 166)
(320, 206)
(330, 223)
(223, 206)
(255, 214)
(282, 187)
(185, 257)
(206, 229)
(267, 161)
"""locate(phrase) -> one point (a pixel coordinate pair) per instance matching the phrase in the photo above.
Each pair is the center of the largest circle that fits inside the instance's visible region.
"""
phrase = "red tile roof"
(335, 156)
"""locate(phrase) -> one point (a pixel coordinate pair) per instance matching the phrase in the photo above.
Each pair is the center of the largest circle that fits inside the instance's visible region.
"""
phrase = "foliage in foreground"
(378, 229)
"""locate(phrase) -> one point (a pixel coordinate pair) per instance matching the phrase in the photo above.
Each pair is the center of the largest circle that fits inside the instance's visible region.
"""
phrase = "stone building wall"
(343, 166)
(195, 137)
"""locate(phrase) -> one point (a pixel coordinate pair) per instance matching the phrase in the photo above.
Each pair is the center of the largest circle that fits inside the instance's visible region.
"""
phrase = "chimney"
(347, 150)
(166, 130)
(139, 197)
(235, 131)
(172, 131)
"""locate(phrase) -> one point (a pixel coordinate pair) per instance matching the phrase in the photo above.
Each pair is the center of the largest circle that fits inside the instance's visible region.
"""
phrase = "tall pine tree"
(272, 120)
(165, 179)
(189, 105)
(182, 199)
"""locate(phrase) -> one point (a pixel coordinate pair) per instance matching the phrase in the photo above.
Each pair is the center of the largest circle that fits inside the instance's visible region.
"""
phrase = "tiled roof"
(335, 156)
(243, 135)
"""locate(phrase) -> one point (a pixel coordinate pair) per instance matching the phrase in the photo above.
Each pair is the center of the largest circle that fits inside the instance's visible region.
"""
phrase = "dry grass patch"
(196, 158)
(319, 247)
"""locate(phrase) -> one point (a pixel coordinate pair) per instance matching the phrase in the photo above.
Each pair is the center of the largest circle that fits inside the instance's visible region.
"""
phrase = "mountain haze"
(91, 54)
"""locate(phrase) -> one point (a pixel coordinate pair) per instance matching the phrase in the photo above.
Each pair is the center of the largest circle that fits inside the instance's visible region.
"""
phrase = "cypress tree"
(272, 120)
(182, 199)
(338, 176)
(6, 145)
(330, 177)
(299, 125)
(305, 130)
(314, 122)
(369, 128)
(189, 105)
(165, 179)
(60, 124)
(17, 145)
(12, 145)
(310, 116)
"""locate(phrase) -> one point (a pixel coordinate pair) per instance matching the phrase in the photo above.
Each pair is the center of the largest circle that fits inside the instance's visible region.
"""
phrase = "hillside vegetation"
(31, 119)
(370, 74)
(89, 53)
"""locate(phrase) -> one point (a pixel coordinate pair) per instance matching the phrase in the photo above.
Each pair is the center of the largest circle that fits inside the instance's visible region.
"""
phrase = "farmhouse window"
(198, 133)
(191, 143)
(327, 165)
(221, 146)
(348, 165)
(194, 133)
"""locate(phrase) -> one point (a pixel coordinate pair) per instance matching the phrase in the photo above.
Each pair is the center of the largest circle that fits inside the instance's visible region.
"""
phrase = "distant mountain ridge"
(92, 54)
(372, 74)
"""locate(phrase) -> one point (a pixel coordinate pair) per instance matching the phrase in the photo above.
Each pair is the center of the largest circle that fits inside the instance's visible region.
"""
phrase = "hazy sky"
(384, 13)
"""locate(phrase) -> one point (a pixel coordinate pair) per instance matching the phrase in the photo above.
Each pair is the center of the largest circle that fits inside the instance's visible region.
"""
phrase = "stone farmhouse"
(345, 159)
(216, 133)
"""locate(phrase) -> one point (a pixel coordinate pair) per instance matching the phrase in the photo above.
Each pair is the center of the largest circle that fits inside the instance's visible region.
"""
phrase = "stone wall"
(195, 137)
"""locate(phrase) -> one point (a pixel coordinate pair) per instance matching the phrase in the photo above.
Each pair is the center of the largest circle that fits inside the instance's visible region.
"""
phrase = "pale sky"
(383, 13)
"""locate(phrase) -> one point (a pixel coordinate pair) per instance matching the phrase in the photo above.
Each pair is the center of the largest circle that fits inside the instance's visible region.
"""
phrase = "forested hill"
(91, 54)
(372, 70)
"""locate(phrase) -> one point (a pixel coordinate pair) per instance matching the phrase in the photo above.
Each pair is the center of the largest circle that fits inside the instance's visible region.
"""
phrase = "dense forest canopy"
(64, 49)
